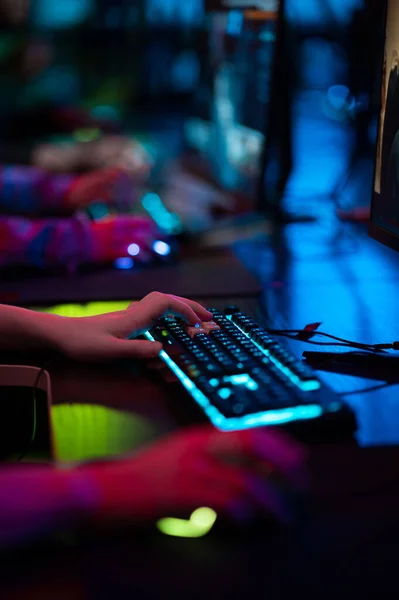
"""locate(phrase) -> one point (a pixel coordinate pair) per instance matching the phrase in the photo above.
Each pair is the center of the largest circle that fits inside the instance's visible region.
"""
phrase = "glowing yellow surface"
(199, 524)
(90, 309)
(85, 432)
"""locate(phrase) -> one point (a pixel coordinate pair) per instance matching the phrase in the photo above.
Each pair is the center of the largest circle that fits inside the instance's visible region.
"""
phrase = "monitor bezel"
(375, 231)
(265, 206)
(383, 236)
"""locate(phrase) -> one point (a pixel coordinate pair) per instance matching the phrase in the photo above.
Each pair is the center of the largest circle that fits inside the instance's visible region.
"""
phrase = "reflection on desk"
(85, 432)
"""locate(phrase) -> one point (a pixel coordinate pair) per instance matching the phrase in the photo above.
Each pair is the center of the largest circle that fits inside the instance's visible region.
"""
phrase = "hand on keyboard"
(205, 328)
(239, 475)
(103, 337)
(241, 376)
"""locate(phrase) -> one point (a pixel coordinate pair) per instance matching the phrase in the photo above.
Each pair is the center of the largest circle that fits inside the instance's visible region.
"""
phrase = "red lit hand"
(121, 236)
(239, 475)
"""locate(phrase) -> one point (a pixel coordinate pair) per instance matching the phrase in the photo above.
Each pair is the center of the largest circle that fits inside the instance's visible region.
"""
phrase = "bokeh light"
(133, 249)
(161, 248)
(199, 524)
(124, 263)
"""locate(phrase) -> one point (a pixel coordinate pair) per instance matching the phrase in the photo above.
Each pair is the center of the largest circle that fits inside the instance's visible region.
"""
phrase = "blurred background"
(269, 110)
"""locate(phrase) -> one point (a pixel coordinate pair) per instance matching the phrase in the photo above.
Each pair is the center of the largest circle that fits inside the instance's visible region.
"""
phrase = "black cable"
(300, 336)
(345, 343)
(296, 333)
(34, 414)
(334, 344)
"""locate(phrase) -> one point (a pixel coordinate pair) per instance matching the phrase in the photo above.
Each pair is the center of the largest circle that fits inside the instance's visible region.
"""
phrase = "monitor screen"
(218, 157)
(385, 206)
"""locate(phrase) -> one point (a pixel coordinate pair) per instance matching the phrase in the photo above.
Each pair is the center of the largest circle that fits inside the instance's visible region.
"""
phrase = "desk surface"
(348, 542)
(200, 277)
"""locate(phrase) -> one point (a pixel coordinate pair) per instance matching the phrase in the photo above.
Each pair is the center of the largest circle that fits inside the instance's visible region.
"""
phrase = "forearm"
(37, 501)
(34, 501)
(22, 329)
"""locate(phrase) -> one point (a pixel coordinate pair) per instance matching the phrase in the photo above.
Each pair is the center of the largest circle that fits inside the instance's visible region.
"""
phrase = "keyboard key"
(219, 353)
(231, 310)
(193, 331)
(210, 326)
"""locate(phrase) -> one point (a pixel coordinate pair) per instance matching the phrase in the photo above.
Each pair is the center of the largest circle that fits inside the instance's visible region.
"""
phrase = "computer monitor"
(219, 157)
(384, 225)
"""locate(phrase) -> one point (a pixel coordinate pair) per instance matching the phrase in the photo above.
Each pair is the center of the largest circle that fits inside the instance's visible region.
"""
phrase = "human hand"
(118, 151)
(240, 475)
(194, 200)
(103, 153)
(110, 186)
(121, 236)
(104, 337)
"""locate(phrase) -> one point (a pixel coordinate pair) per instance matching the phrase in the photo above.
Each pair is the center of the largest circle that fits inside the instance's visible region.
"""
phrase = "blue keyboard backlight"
(272, 417)
(305, 386)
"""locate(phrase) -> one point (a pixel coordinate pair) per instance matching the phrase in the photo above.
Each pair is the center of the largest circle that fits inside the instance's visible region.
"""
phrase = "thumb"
(134, 349)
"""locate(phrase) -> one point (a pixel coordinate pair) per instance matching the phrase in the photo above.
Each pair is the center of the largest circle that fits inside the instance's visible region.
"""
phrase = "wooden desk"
(348, 541)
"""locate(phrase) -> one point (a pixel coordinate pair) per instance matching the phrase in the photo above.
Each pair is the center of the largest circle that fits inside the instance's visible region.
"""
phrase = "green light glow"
(199, 524)
(85, 432)
(85, 310)
(87, 135)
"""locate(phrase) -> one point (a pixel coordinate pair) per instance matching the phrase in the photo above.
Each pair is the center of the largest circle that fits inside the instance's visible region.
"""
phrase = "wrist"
(22, 329)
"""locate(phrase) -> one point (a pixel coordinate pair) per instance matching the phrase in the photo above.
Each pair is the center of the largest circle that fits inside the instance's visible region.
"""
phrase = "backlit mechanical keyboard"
(241, 376)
